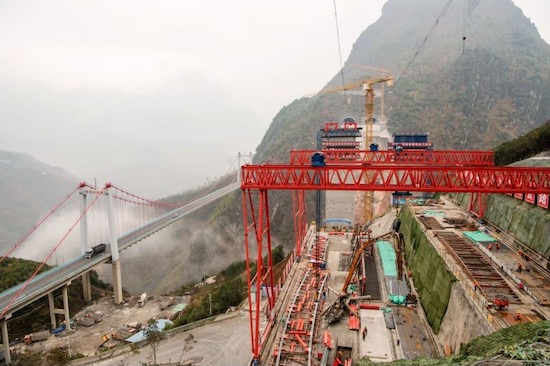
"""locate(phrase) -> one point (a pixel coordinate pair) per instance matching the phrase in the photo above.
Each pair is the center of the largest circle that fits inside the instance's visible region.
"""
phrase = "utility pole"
(210, 299)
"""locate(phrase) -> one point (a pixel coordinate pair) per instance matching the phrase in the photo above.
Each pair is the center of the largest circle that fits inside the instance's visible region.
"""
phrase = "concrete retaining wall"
(462, 322)
(432, 278)
(456, 313)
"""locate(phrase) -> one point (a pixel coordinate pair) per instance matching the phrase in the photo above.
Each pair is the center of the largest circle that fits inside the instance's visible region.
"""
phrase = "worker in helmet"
(338, 360)
(518, 316)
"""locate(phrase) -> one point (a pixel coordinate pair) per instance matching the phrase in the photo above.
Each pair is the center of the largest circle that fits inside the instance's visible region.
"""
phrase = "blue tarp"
(139, 336)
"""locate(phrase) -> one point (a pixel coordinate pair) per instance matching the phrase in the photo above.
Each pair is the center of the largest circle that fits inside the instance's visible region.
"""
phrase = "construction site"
(386, 275)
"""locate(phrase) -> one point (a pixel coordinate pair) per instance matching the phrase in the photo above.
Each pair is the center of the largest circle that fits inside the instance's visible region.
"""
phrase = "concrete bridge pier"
(117, 282)
(87, 287)
(64, 311)
(115, 259)
(5, 345)
(86, 280)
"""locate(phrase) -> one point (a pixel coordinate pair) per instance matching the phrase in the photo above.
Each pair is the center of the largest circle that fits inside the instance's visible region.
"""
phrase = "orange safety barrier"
(369, 306)
(353, 323)
(353, 320)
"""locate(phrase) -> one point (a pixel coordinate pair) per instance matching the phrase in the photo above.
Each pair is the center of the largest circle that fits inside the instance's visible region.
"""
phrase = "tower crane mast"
(368, 87)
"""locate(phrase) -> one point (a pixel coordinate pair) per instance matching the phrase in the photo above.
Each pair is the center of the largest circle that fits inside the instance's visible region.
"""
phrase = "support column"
(6, 341)
(87, 286)
(117, 282)
(66, 308)
(83, 221)
(52, 310)
(115, 259)
(64, 311)
(86, 281)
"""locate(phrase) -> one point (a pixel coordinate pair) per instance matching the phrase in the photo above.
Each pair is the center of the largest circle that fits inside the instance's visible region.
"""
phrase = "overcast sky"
(159, 96)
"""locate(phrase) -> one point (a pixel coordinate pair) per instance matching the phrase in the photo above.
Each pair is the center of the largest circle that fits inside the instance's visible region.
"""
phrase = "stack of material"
(457, 222)
(353, 319)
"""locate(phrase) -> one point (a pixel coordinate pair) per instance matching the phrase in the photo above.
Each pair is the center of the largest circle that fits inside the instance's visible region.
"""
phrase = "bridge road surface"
(224, 342)
(56, 277)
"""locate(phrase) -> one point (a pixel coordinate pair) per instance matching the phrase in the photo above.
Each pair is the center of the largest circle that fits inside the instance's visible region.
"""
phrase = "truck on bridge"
(93, 251)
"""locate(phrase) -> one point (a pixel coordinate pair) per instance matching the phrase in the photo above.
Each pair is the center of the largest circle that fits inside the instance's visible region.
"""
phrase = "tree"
(153, 336)
(27, 359)
(57, 357)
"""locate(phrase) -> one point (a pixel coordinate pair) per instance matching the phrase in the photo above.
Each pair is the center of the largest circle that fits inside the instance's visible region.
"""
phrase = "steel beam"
(256, 224)
(398, 178)
(381, 157)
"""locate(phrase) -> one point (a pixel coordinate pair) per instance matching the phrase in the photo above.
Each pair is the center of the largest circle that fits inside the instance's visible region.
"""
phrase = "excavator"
(336, 310)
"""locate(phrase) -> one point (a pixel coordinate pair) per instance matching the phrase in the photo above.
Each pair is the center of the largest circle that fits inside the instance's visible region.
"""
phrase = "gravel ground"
(86, 340)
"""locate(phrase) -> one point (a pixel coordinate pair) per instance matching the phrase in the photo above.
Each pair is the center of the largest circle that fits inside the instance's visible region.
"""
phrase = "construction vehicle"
(142, 299)
(501, 302)
(37, 336)
(336, 310)
(93, 251)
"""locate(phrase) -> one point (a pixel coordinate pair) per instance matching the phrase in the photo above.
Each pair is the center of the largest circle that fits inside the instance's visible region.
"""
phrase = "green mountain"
(489, 88)
(29, 189)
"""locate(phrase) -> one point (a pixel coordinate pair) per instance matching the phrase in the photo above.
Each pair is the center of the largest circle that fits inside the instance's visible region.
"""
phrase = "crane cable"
(423, 44)
(340, 51)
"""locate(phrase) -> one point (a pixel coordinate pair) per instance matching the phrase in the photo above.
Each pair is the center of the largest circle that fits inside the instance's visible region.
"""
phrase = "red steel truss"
(439, 157)
(257, 179)
(398, 178)
(300, 225)
(256, 223)
(478, 202)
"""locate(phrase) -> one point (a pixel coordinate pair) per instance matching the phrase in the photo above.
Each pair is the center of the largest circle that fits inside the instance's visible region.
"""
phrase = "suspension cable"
(27, 282)
(35, 227)
(423, 44)
(340, 51)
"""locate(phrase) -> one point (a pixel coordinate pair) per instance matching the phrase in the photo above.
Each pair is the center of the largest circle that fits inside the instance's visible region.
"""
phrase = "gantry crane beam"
(354, 157)
(480, 179)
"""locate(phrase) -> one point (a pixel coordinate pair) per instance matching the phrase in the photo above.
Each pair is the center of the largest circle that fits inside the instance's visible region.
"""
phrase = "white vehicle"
(142, 299)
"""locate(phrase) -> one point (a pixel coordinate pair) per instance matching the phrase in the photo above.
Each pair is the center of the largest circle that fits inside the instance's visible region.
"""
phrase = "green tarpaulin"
(387, 255)
(479, 236)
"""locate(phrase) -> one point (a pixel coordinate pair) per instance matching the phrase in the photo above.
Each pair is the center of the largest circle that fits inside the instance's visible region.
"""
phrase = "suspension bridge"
(116, 217)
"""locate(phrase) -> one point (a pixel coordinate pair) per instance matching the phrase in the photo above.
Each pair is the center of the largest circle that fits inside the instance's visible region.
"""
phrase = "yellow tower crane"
(383, 72)
(368, 87)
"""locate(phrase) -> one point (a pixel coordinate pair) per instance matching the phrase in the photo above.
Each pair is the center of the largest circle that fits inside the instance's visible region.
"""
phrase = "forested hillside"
(524, 147)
